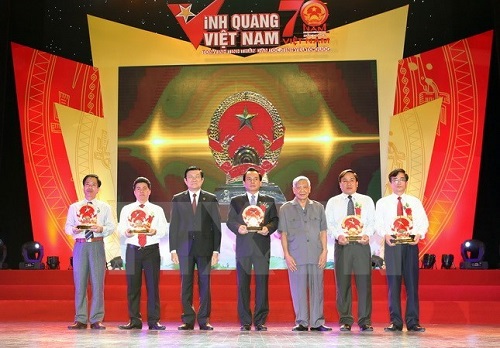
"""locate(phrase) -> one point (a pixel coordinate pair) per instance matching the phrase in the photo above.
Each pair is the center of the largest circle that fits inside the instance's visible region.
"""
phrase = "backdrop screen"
(312, 119)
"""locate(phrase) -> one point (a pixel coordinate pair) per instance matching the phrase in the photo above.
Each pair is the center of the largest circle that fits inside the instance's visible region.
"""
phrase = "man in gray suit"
(303, 229)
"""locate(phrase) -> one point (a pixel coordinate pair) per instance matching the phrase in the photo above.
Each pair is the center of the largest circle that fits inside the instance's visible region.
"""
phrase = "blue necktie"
(252, 200)
(88, 233)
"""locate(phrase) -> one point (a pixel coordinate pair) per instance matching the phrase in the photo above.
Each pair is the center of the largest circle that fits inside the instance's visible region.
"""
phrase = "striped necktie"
(88, 233)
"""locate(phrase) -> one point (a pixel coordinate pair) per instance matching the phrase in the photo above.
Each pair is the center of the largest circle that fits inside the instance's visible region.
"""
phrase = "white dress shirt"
(104, 218)
(159, 222)
(336, 211)
(386, 213)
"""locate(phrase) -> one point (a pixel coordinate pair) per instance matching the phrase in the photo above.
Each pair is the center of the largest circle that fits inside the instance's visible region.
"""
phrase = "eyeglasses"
(193, 177)
(399, 180)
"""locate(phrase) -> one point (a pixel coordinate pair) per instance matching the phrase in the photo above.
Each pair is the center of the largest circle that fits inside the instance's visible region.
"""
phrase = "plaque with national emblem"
(402, 227)
(86, 216)
(352, 227)
(140, 221)
(253, 216)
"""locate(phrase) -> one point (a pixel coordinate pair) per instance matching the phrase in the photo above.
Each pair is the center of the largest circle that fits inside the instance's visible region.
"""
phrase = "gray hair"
(301, 177)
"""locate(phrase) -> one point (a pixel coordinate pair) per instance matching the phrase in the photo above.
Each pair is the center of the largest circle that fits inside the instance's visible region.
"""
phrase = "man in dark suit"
(195, 237)
(253, 247)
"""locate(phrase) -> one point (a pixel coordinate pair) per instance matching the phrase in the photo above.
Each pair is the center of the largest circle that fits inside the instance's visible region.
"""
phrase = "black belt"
(135, 247)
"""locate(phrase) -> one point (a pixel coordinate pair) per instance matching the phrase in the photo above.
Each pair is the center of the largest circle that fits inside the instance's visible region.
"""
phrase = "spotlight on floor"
(377, 262)
(447, 261)
(428, 261)
(116, 263)
(53, 262)
(3, 255)
(472, 251)
(32, 255)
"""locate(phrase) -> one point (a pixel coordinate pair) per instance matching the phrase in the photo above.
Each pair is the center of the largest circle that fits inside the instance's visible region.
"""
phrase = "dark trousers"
(402, 265)
(244, 271)
(187, 265)
(145, 259)
(353, 259)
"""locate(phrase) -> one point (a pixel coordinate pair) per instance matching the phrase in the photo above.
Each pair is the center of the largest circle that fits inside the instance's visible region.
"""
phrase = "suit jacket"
(247, 244)
(195, 234)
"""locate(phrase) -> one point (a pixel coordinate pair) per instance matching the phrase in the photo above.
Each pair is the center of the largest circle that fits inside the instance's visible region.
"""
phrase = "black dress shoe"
(300, 327)
(393, 328)
(206, 327)
(77, 326)
(366, 328)
(157, 326)
(245, 327)
(97, 326)
(185, 327)
(321, 328)
(131, 326)
(416, 328)
(345, 327)
(260, 327)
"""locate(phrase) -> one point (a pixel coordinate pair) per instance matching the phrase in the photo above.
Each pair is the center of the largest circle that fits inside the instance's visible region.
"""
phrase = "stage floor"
(55, 334)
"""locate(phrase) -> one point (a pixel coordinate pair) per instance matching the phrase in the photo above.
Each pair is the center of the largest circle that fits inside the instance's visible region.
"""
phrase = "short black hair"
(344, 172)
(395, 173)
(190, 168)
(252, 169)
(92, 176)
(142, 179)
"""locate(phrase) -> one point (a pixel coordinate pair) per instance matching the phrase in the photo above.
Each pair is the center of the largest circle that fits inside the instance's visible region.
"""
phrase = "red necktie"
(400, 207)
(193, 204)
(142, 236)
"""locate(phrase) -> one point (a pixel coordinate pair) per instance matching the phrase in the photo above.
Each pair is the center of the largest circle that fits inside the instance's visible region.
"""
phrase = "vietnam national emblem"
(246, 131)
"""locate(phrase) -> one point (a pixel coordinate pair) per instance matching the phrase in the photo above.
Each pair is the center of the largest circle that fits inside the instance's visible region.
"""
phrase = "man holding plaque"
(143, 224)
(302, 225)
(89, 221)
(351, 221)
(195, 237)
(402, 221)
(252, 218)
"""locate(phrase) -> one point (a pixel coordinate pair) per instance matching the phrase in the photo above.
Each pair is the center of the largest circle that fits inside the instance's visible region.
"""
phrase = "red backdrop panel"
(42, 80)
(458, 73)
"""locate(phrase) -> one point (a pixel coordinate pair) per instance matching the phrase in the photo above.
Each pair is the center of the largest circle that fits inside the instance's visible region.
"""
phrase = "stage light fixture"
(53, 262)
(447, 261)
(472, 251)
(428, 261)
(33, 255)
(3, 255)
(115, 263)
(377, 262)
